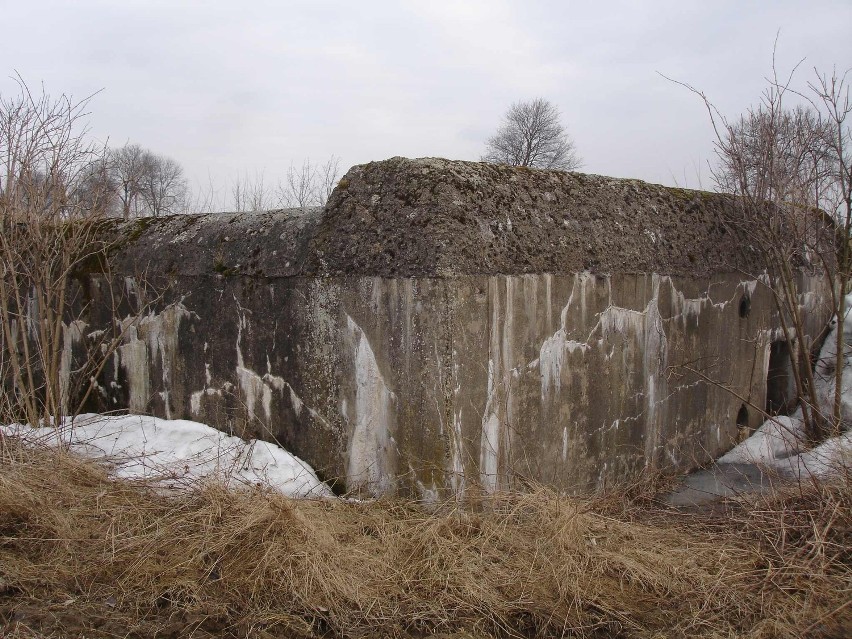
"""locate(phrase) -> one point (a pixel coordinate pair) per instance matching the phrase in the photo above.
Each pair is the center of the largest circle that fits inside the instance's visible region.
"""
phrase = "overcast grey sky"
(229, 88)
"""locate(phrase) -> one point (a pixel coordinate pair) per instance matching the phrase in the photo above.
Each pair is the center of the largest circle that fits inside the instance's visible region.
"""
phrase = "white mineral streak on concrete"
(280, 384)
(548, 297)
(133, 359)
(71, 334)
(490, 444)
(654, 363)
(531, 300)
(370, 447)
(296, 402)
(644, 326)
(810, 300)
(550, 360)
(507, 359)
(438, 391)
(427, 495)
(622, 321)
(456, 469)
(195, 399)
(689, 307)
(299, 406)
(376, 291)
(490, 439)
(552, 353)
(751, 285)
(130, 288)
(495, 443)
(163, 341)
(146, 339)
(208, 390)
(252, 387)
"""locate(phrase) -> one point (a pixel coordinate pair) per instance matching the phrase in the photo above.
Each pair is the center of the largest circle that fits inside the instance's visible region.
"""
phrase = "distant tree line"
(145, 183)
(302, 186)
(131, 181)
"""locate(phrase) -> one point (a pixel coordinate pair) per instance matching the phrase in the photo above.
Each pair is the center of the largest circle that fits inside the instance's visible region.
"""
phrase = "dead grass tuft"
(84, 555)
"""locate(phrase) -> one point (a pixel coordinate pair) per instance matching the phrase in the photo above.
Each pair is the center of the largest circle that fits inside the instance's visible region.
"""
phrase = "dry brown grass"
(83, 555)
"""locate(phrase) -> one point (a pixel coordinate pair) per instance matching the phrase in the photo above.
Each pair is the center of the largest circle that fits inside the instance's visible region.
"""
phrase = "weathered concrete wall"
(444, 327)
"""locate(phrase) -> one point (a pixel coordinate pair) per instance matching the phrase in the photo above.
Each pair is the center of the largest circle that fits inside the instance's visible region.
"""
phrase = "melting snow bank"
(779, 442)
(176, 453)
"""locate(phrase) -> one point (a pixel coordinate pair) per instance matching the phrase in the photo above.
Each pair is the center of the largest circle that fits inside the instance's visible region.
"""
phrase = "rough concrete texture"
(433, 217)
(444, 327)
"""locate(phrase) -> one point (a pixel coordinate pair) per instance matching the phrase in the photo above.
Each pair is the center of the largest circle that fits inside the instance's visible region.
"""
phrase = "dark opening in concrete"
(745, 305)
(742, 417)
(780, 382)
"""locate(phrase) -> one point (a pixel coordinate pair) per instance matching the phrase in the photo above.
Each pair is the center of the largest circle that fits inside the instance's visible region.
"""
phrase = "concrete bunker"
(449, 327)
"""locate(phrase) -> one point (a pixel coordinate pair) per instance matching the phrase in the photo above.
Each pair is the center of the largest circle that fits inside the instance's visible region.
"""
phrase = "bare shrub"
(791, 169)
(54, 197)
(48, 229)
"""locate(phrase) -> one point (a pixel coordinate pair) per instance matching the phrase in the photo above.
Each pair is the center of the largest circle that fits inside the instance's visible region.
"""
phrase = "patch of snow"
(775, 439)
(832, 456)
(173, 453)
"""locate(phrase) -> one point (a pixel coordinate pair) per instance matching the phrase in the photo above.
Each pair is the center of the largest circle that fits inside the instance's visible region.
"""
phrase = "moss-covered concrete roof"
(435, 217)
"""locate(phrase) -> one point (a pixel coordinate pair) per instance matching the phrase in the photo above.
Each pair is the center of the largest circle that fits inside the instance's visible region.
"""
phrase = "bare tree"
(830, 96)
(203, 199)
(776, 154)
(327, 176)
(127, 167)
(251, 195)
(163, 187)
(303, 186)
(299, 188)
(239, 197)
(146, 183)
(531, 135)
(98, 190)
